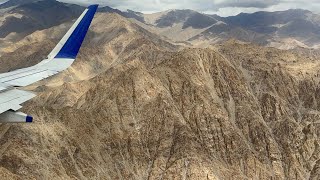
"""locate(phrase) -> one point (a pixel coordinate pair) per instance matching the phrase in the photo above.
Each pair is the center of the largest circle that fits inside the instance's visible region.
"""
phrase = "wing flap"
(12, 99)
(28, 78)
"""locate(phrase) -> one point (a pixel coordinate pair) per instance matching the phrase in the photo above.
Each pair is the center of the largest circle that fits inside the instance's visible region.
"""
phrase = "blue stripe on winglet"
(72, 46)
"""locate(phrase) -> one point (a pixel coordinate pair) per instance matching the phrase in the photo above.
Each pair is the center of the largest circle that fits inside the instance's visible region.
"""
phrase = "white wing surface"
(61, 58)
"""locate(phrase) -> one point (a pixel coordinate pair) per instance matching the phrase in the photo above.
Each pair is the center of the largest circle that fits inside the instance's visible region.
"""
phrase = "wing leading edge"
(61, 58)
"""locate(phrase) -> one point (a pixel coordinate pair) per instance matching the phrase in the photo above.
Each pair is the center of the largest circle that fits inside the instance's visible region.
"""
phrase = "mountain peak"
(299, 10)
(28, 17)
(189, 18)
(13, 3)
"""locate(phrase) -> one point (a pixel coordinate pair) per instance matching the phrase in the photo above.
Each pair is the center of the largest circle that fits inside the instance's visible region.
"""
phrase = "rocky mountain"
(176, 25)
(265, 22)
(298, 24)
(14, 3)
(189, 18)
(192, 27)
(22, 20)
(128, 14)
(135, 106)
(221, 32)
(283, 29)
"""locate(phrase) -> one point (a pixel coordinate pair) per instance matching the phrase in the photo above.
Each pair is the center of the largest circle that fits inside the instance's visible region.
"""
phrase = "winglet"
(70, 44)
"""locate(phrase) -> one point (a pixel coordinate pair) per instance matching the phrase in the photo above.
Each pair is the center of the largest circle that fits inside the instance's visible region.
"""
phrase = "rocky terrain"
(139, 107)
(283, 29)
(21, 18)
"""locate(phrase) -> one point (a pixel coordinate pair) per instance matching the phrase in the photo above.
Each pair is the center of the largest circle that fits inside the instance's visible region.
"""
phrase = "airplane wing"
(61, 57)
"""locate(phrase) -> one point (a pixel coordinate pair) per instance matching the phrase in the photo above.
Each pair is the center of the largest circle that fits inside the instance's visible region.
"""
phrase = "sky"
(220, 7)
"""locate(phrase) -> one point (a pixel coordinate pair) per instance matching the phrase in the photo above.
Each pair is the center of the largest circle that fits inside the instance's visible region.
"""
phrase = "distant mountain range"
(289, 28)
(21, 20)
(283, 29)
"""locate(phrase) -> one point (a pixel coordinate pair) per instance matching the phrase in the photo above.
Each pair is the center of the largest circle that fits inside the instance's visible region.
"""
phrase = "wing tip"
(70, 48)
(93, 6)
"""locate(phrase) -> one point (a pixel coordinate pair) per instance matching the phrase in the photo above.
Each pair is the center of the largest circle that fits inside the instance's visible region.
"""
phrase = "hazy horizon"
(219, 7)
(224, 8)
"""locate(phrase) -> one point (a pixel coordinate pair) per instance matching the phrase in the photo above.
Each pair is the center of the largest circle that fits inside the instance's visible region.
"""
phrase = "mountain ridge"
(281, 29)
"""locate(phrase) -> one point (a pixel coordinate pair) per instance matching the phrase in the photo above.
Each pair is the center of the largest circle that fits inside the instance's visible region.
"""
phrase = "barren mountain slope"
(301, 25)
(26, 17)
(178, 25)
(282, 29)
(114, 42)
(134, 107)
(192, 28)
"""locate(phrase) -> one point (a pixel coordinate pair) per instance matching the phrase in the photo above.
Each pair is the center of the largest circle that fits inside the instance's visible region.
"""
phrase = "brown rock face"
(136, 107)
